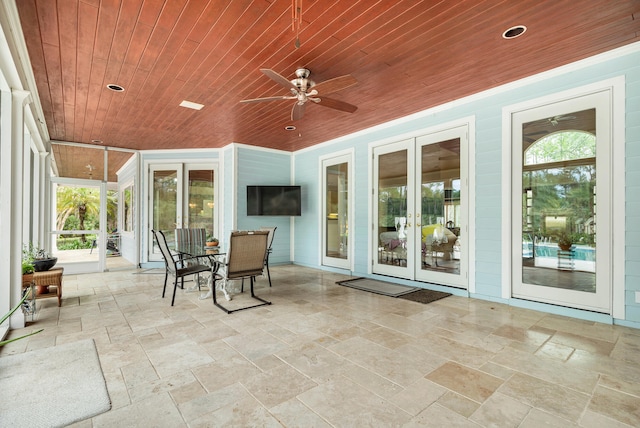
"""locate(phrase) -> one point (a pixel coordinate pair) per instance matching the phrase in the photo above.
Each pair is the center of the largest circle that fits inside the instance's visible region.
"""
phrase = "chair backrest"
(182, 237)
(191, 237)
(246, 253)
(169, 261)
(272, 232)
(198, 237)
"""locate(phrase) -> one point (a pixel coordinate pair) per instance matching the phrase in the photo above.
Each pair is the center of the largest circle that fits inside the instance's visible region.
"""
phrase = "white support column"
(19, 99)
(46, 214)
(27, 188)
(5, 200)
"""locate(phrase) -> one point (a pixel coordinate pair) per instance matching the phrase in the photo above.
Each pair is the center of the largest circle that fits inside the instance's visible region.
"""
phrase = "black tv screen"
(273, 200)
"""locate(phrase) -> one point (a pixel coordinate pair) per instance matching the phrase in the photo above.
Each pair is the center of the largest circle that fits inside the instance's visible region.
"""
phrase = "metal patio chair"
(177, 265)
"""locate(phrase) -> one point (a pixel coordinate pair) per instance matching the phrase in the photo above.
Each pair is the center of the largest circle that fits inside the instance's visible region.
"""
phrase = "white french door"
(180, 195)
(420, 208)
(441, 211)
(561, 163)
(393, 209)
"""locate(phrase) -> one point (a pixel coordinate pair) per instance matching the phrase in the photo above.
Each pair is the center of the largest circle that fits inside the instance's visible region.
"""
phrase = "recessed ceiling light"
(115, 88)
(514, 32)
(290, 128)
(189, 104)
(96, 141)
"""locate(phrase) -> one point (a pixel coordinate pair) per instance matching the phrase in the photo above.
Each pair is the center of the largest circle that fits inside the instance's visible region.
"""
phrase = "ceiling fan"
(304, 89)
(555, 119)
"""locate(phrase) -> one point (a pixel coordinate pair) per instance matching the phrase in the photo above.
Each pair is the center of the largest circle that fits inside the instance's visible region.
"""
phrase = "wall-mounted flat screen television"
(274, 200)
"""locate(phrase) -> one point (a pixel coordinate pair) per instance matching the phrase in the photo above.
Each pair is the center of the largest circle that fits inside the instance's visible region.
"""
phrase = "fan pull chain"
(296, 20)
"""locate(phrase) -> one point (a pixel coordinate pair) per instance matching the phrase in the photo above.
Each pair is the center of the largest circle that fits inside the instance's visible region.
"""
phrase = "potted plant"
(212, 241)
(564, 241)
(42, 260)
(7, 315)
(27, 273)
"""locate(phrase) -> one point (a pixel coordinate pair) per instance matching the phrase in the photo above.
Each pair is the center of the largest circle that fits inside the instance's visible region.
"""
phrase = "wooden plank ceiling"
(407, 56)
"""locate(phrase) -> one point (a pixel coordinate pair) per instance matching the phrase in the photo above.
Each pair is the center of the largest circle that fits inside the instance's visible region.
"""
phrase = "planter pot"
(27, 279)
(565, 247)
(41, 265)
(212, 244)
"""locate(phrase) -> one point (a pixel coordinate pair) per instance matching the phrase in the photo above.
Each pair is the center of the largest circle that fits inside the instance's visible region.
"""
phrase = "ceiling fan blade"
(336, 84)
(279, 79)
(258, 100)
(336, 104)
(536, 133)
(298, 111)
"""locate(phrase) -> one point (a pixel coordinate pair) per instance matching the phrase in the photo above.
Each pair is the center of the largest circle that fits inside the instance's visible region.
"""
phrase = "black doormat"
(378, 287)
(425, 296)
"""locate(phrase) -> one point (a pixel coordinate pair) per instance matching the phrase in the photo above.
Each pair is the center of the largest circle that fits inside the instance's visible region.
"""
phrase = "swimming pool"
(580, 252)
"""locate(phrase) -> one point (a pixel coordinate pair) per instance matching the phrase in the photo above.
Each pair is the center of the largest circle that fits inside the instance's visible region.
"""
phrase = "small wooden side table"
(51, 277)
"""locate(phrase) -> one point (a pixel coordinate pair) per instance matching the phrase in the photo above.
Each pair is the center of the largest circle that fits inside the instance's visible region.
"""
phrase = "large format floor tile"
(325, 355)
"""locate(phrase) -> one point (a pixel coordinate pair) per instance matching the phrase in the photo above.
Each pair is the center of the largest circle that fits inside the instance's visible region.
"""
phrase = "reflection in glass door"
(182, 195)
(336, 215)
(393, 209)
(442, 207)
(166, 202)
(559, 256)
(420, 208)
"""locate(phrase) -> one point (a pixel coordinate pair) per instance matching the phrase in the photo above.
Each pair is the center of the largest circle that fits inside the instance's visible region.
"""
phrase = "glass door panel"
(393, 208)
(200, 202)
(336, 212)
(442, 201)
(559, 256)
(166, 204)
(182, 196)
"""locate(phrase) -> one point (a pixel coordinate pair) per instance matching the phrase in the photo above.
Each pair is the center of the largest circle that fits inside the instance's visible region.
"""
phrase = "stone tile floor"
(326, 355)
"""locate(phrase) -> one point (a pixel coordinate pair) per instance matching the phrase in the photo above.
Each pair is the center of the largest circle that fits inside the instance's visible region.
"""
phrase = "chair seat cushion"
(245, 274)
(193, 269)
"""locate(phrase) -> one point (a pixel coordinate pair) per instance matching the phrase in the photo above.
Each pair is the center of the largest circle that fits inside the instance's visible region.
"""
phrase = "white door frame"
(87, 266)
(152, 167)
(461, 132)
(615, 87)
(470, 228)
(182, 169)
(326, 161)
(408, 270)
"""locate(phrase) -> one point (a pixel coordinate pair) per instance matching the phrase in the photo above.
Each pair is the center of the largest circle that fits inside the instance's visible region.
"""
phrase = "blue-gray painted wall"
(488, 175)
(264, 167)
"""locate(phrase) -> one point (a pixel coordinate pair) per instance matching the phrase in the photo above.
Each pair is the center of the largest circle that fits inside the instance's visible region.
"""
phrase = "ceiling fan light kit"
(303, 89)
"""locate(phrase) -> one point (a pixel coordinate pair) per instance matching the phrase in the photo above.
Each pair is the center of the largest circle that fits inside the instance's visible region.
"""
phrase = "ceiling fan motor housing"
(301, 82)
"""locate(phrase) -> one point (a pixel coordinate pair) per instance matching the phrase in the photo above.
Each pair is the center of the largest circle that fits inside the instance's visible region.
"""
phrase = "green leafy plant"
(4, 318)
(213, 240)
(33, 252)
(27, 267)
(564, 240)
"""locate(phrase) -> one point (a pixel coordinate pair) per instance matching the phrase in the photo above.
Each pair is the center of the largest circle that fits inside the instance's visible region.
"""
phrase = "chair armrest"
(187, 258)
